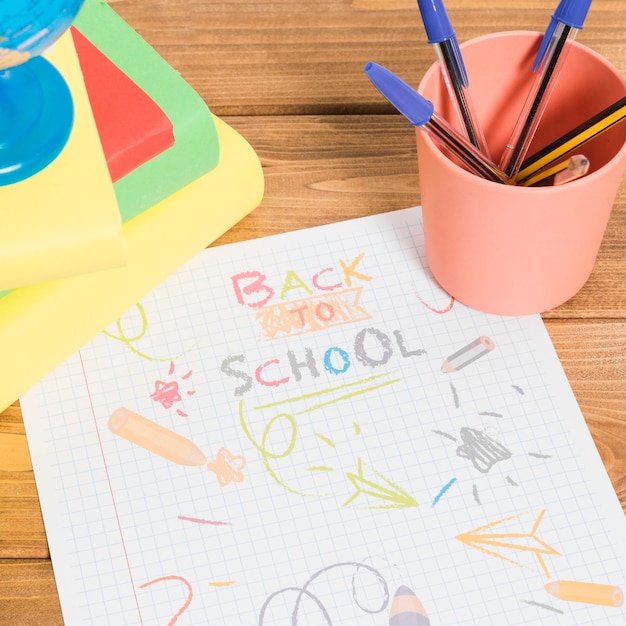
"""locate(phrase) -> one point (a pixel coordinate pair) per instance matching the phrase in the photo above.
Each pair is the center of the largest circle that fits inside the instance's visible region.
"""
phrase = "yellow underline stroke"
(348, 396)
(306, 396)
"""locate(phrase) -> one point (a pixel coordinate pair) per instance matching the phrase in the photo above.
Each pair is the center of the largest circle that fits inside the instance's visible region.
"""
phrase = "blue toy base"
(36, 117)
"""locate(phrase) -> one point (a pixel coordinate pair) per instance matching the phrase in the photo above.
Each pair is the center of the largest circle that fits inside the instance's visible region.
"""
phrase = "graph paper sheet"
(306, 430)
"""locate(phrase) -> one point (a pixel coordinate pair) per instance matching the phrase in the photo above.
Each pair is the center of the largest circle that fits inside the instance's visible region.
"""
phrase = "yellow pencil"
(155, 438)
(594, 126)
(590, 593)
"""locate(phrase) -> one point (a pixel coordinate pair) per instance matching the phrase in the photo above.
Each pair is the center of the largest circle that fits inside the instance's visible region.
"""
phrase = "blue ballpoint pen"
(547, 38)
(421, 113)
(442, 36)
(567, 20)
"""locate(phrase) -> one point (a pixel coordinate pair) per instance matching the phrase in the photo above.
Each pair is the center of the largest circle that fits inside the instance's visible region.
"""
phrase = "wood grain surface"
(288, 75)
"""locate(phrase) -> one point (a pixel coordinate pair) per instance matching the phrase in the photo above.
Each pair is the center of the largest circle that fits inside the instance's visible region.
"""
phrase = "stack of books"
(148, 178)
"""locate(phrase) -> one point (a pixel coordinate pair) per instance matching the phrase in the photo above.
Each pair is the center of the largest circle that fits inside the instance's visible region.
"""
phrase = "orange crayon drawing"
(184, 607)
(306, 315)
(155, 438)
(487, 541)
(590, 593)
(228, 467)
(226, 583)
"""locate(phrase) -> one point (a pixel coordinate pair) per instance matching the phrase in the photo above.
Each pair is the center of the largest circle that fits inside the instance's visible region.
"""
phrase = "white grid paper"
(119, 517)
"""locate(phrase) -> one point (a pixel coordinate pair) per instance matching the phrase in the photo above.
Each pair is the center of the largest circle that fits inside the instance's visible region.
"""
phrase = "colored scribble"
(197, 520)
(129, 341)
(443, 311)
(228, 467)
(455, 396)
(537, 455)
(268, 455)
(480, 449)
(385, 490)
(475, 494)
(184, 607)
(326, 440)
(306, 315)
(542, 606)
(226, 583)
(155, 438)
(166, 393)
(446, 435)
(487, 539)
(365, 604)
(443, 490)
(339, 398)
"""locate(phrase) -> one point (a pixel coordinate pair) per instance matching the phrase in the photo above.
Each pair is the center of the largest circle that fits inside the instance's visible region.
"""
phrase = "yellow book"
(42, 325)
(64, 220)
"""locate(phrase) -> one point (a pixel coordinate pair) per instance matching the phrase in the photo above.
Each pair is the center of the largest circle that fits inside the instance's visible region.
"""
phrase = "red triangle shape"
(133, 128)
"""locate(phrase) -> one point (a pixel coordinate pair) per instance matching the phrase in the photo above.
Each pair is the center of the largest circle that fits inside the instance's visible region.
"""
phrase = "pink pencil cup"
(514, 250)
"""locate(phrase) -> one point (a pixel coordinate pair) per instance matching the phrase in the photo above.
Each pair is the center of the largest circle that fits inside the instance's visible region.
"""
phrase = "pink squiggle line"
(433, 309)
(197, 520)
(189, 594)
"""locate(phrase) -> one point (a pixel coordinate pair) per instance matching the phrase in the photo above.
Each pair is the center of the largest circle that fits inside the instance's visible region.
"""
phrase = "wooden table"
(288, 75)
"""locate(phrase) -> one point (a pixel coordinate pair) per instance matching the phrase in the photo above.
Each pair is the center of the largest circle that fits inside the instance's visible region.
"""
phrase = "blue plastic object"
(36, 117)
(569, 12)
(417, 110)
(36, 110)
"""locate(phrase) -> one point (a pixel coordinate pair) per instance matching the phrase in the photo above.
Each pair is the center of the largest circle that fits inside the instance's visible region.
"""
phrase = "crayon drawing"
(307, 431)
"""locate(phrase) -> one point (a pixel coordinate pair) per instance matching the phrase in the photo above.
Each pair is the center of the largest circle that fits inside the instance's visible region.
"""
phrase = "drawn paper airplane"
(394, 496)
(500, 544)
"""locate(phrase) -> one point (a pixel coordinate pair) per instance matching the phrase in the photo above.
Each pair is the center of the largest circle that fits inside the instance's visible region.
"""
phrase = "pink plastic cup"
(514, 250)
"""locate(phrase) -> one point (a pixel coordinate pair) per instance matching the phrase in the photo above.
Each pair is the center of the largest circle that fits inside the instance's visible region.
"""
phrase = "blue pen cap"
(436, 21)
(409, 102)
(574, 12)
(569, 12)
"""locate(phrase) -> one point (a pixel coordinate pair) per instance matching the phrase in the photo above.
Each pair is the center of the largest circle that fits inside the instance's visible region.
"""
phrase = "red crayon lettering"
(324, 312)
(253, 285)
(300, 313)
(264, 381)
(316, 283)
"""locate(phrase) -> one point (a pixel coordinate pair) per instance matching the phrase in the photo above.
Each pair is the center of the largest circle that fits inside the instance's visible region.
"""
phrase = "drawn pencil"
(467, 354)
(155, 438)
(407, 610)
(590, 593)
